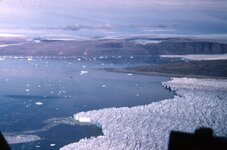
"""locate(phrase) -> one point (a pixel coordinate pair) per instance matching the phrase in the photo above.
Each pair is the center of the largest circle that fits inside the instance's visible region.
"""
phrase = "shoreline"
(212, 69)
(161, 74)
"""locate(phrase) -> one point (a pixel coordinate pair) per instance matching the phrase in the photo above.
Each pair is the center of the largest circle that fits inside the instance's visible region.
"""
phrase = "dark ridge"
(113, 47)
(209, 68)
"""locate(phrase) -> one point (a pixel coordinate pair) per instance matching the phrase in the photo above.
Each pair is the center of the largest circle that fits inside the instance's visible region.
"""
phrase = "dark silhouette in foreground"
(3, 144)
(202, 139)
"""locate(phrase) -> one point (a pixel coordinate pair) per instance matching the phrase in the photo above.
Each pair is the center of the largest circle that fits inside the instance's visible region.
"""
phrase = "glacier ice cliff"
(198, 102)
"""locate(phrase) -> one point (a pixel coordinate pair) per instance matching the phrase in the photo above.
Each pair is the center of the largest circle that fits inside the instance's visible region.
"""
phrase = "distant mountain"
(48, 47)
(186, 47)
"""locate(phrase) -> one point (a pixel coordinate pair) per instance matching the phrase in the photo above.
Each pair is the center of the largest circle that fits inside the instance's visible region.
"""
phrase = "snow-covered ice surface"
(198, 102)
(198, 57)
(21, 138)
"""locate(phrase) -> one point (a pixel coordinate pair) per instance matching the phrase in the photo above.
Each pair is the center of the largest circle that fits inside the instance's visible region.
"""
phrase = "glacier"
(198, 57)
(197, 103)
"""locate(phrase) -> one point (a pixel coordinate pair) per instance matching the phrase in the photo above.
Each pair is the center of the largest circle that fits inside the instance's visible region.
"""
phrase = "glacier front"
(198, 103)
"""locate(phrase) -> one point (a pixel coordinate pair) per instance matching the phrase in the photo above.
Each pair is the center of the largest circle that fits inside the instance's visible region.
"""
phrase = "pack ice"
(198, 102)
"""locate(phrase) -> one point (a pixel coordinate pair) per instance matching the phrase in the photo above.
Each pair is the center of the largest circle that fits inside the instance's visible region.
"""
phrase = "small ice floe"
(37, 146)
(104, 86)
(52, 145)
(29, 58)
(37, 41)
(83, 119)
(131, 57)
(39, 103)
(83, 72)
(28, 85)
(137, 94)
(2, 58)
(27, 90)
(27, 106)
(16, 57)
(78, 59)
(84, 66)
(129, 74)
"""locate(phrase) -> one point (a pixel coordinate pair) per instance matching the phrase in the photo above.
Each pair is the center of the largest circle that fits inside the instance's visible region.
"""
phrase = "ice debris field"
(198, 102)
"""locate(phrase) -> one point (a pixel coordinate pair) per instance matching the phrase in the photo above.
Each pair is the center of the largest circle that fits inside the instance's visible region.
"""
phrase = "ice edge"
(199, 102)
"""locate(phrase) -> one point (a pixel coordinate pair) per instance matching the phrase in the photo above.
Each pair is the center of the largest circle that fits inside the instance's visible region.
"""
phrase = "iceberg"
(83, 72)
(29, 58)
(197, 103)
(104, 86)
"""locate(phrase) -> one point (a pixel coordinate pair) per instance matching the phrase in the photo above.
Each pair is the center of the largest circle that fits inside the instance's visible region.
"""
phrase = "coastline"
(212, 69)
(162, 74)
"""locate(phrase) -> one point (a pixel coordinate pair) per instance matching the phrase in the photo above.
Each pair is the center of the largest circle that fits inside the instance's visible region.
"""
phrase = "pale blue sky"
(113, 17)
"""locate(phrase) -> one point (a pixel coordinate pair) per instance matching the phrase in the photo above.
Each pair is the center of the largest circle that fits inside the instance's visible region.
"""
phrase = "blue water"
(35, 91)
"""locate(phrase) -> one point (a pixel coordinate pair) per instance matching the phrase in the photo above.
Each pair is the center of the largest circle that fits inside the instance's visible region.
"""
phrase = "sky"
(113, 17)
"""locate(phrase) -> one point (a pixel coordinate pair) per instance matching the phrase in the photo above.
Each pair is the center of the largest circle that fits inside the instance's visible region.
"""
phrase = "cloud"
(76, 27)
(111, 15)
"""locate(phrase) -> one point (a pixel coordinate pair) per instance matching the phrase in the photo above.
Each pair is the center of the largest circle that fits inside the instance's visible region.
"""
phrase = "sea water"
(38, 96)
